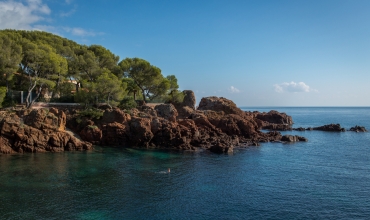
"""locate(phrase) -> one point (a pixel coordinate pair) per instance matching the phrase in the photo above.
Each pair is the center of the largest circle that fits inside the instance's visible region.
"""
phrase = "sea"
(327, 177)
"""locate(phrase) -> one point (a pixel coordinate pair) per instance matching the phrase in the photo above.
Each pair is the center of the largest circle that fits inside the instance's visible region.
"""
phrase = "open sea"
(327, 177)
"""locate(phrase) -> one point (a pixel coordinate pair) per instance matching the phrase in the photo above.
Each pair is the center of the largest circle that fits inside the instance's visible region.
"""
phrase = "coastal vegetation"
(58, 69)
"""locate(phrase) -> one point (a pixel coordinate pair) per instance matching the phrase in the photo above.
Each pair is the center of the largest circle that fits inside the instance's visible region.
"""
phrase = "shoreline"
(217, 125)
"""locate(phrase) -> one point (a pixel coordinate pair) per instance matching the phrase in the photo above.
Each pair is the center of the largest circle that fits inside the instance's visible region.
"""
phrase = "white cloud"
(293, 87)
(16, 15)
(29, 15)
(69, 13)
(232, 89)
(81, 32)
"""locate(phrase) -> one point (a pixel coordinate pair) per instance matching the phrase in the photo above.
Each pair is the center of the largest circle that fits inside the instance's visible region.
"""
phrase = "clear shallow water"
(325, 178)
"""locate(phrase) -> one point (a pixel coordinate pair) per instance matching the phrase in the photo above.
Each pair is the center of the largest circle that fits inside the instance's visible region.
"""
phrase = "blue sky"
(254, 52)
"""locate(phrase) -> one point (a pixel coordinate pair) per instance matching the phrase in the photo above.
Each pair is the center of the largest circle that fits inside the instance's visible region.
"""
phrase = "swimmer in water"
(168, 170)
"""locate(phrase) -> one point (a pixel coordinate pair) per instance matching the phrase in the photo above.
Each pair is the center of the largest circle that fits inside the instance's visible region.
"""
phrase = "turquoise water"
(325, 178)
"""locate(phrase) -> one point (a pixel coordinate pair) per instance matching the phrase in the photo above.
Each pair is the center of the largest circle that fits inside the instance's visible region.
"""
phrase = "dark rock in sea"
(358, 129)
(299, 129)
(330, 127)
(293, 138)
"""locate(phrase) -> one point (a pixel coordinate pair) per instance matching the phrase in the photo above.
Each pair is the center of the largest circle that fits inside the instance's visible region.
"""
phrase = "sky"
(254, 52)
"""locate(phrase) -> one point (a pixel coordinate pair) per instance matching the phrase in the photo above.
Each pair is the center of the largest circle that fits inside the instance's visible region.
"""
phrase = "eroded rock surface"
(38, 130)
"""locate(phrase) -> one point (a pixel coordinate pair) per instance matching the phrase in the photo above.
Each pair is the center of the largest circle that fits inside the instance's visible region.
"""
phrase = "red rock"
(219, 104)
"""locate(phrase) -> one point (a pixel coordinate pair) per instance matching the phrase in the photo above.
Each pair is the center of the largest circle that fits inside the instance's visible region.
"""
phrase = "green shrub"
(2, 95)
(63, 99)
(91, 113)
(175, 97)
(8, 102)
(127, 103)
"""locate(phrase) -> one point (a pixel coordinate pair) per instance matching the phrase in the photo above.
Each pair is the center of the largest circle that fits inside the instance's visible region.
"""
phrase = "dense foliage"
(57, 68)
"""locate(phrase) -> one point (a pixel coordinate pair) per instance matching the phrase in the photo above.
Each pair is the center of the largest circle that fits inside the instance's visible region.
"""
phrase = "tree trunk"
(144, 95)
(30, 89)
(108, 101)
(34, 99)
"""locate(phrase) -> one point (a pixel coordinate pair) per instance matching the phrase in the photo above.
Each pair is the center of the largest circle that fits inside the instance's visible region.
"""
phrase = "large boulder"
(92, 134)
(219, 104)
(51, 119)
(169, 134)
(115, 134)
(140, 133)
(184, 112)
(189, 99)
(275, 117)
(167, 111)
(114, 115)
(38, 131)
(148, 110)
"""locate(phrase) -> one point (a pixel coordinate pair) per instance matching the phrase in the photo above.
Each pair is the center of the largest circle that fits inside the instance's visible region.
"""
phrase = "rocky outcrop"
(167, 111)
(219, 104)
(358, 129)
(275, 117)
(189, 99)
(37, 131)
(217, 125)
(274, 120)
(293, 138)
(330, 127)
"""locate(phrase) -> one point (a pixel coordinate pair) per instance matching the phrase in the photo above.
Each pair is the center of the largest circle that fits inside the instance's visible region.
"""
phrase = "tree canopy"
(41, 62)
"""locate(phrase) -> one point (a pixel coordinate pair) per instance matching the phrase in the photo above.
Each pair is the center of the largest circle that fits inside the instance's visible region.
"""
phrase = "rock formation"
(37, 131)
(217, 125)
(358, 129)
(330, 127)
